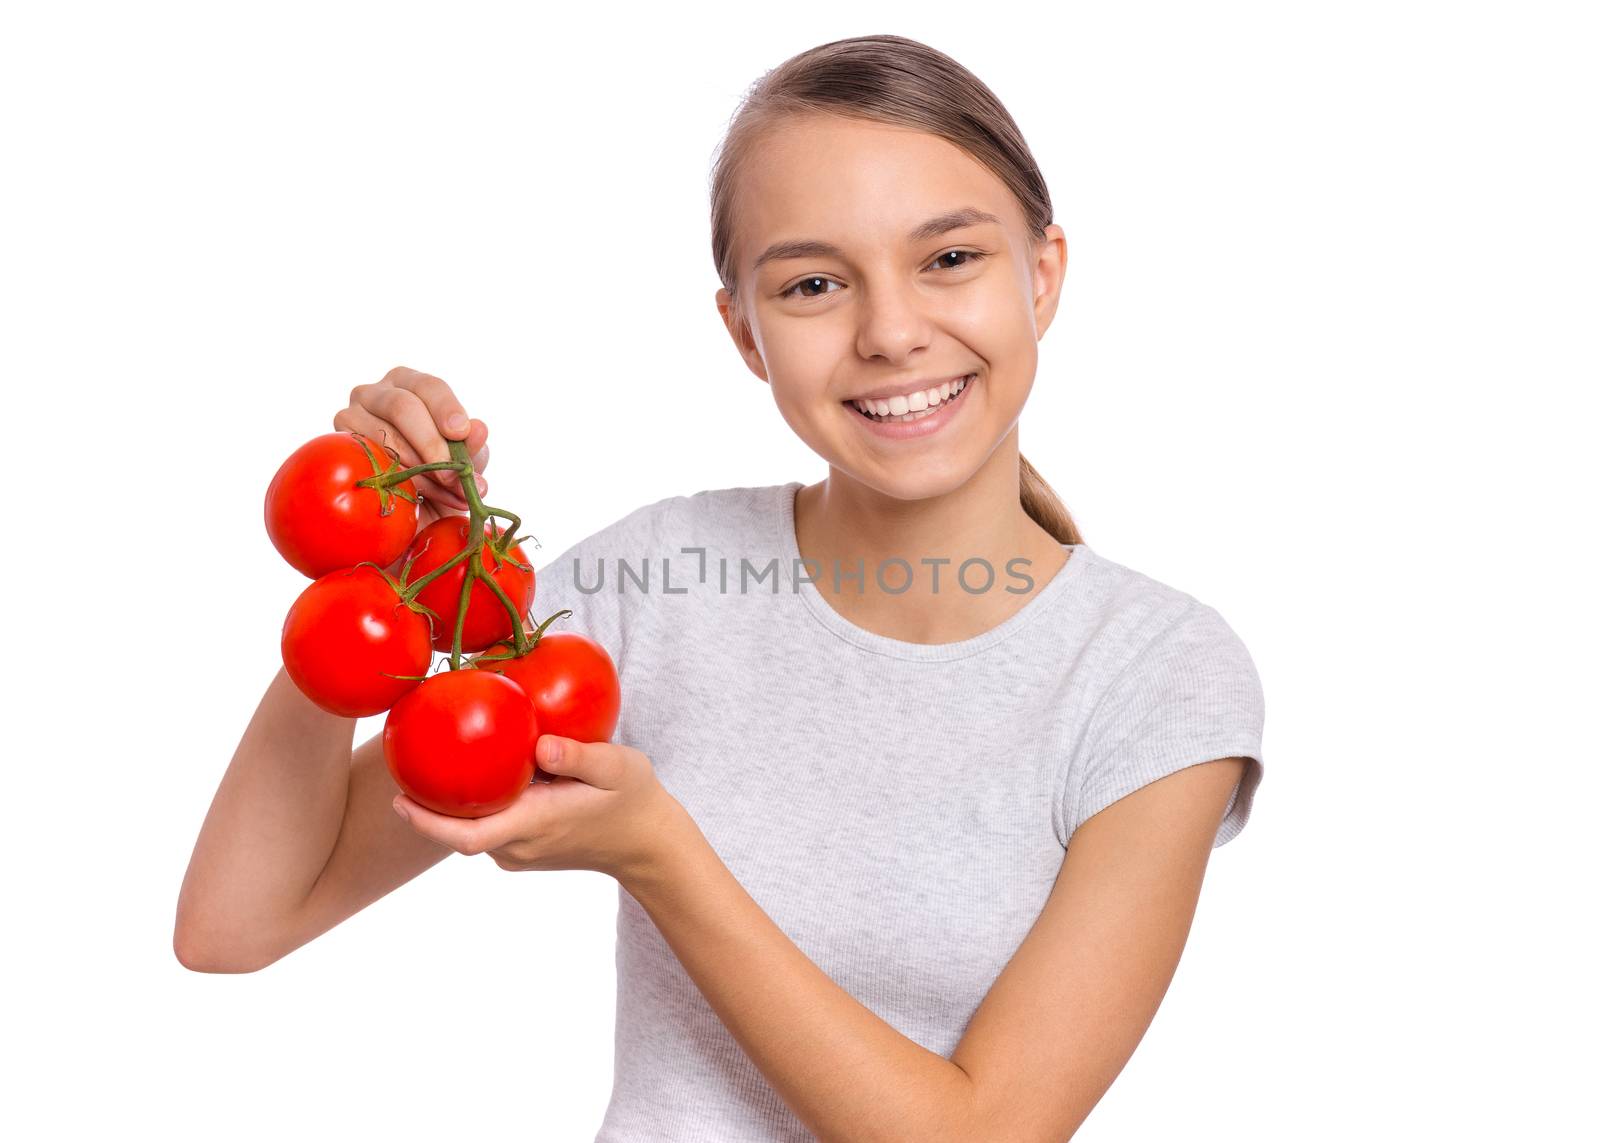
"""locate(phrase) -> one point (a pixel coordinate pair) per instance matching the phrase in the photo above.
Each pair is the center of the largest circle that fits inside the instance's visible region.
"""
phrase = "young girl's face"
(889, 309)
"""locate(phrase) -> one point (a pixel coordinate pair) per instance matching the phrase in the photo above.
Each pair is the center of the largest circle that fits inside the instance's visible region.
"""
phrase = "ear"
(1050, 268)
(743, 338)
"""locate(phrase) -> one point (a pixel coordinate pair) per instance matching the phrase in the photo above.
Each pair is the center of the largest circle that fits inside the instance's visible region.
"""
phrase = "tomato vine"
(479, 515)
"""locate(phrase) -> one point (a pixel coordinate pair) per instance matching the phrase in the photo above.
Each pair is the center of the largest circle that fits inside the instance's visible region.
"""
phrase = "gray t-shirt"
(900, 810)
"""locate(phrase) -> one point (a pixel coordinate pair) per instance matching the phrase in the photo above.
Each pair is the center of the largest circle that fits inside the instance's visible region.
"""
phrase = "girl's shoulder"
(1126, 606)
(712, 518)
(1116, 587)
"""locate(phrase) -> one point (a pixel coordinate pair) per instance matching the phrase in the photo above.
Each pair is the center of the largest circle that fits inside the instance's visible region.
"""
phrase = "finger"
(461, 834)
(359, 420)
(472, 836)
(602, 764)
(405, 410)
(478, 442)
(449, 418)
(390, 441)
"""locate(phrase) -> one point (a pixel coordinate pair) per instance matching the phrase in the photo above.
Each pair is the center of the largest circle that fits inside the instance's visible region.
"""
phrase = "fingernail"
(457, 423)
(401, 810)
(483, 485)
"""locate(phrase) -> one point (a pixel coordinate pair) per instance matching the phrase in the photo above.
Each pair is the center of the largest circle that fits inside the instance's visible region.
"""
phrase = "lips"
(907, 390)
(925, 425)
(898, 410)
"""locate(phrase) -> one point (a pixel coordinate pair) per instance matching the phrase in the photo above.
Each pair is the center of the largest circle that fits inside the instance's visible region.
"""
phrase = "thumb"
(599, 764)
(558, 755)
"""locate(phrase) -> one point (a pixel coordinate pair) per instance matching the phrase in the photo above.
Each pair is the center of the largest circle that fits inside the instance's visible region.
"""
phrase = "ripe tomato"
(462, 743)
(572, 682)
(343, 631)
(487, 620)
(320, 521)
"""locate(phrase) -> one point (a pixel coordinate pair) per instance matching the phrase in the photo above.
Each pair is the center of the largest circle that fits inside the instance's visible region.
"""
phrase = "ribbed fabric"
(900, 810)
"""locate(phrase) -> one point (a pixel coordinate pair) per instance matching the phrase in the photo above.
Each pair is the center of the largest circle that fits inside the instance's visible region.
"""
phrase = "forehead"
(858, 185)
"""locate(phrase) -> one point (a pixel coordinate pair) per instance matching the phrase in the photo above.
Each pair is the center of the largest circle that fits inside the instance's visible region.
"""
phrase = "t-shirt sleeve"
(585, 579)
(1191, 696)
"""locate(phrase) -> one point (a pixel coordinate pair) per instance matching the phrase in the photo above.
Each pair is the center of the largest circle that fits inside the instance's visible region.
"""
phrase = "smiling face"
(853, 283)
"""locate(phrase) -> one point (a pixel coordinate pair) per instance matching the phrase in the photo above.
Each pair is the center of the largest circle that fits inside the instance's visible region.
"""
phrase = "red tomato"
(320, 521)
(462, 743)
(487, 620)
(573, 684)
(343, 632)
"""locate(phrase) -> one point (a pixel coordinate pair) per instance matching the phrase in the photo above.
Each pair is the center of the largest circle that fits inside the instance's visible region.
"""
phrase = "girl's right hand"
(414, 413)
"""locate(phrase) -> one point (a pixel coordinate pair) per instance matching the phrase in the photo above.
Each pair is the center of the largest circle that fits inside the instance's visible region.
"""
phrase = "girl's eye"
(804, 282)
(972, 258)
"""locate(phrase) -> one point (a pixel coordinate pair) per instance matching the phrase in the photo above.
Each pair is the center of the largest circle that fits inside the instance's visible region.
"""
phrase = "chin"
(915, 479)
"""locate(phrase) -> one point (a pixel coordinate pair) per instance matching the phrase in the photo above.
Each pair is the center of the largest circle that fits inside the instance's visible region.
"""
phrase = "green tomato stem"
(478, 514)
(538, 632)
(386, 489)
(474, 569)
(411, 592)
(400, 476)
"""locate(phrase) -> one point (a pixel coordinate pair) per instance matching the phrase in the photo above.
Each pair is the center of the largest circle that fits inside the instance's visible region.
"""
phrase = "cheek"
(1005, 338)
(802, 410)
(998, 324)
(800, 378)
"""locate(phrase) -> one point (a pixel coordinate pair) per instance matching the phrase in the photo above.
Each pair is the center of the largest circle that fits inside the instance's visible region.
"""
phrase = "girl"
(913, 791)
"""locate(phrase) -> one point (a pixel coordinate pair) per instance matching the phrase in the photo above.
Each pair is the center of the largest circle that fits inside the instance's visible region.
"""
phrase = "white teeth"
(913, 406)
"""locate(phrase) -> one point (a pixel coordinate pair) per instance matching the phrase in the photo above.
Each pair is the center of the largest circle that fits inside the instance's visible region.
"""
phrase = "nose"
(895, 320)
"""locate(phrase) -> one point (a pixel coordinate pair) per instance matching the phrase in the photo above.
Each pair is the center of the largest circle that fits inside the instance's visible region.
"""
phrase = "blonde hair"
(894, 80)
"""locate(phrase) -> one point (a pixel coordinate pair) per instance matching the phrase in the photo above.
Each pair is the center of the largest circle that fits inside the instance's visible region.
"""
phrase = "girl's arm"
(299, 836)
(1056, 1028)
(845, 1072)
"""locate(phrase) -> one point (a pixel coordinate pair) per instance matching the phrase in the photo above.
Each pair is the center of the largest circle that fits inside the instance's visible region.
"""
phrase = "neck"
(842, 521)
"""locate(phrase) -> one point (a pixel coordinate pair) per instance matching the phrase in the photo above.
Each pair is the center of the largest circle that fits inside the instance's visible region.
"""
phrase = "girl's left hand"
(605, 810)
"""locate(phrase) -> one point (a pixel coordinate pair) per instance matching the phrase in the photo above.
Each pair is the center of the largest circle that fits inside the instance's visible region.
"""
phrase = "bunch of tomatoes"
(360, 639)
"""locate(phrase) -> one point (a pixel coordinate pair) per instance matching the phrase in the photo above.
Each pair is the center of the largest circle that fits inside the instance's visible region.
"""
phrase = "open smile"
(896, 418)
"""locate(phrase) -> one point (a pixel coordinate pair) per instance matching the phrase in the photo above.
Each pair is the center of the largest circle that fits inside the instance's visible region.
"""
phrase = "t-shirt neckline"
(1079, 555)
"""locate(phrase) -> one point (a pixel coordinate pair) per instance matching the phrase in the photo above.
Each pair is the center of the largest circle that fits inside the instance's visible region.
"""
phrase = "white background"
(1326, 360)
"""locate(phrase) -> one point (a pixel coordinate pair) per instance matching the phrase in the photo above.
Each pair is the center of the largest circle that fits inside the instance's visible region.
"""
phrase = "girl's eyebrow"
(935, 226)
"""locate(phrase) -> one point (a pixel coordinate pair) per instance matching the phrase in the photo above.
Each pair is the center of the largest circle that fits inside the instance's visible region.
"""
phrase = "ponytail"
(1040, 502)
